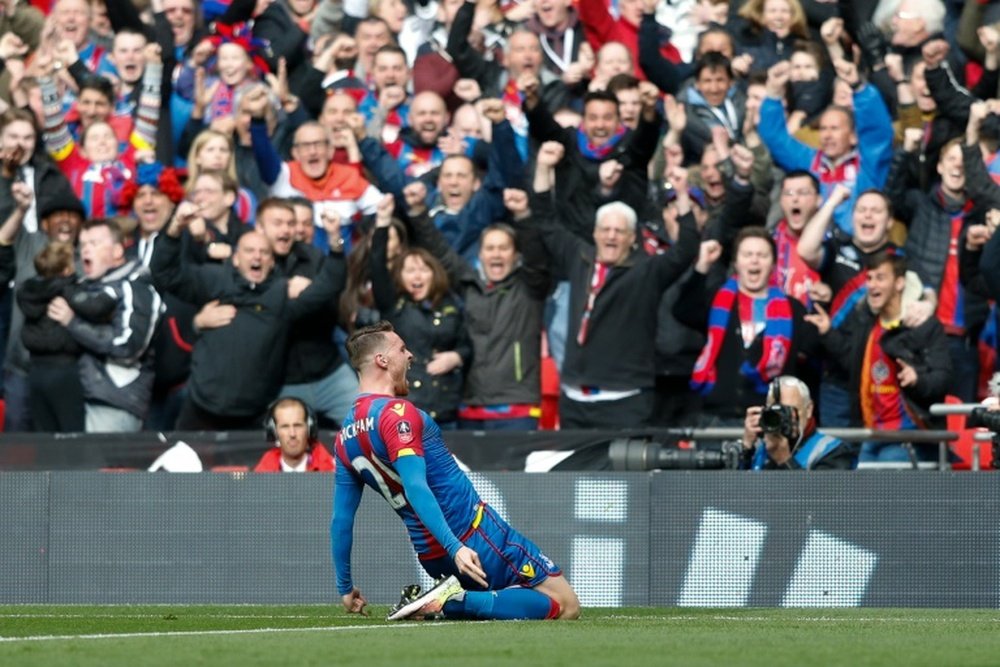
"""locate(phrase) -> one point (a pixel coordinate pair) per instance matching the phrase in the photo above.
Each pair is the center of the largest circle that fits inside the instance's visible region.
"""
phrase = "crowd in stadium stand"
(651, 208)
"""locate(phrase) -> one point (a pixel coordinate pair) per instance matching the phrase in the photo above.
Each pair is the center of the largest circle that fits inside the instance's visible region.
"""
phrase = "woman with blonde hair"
(212, 150)
(415, 295)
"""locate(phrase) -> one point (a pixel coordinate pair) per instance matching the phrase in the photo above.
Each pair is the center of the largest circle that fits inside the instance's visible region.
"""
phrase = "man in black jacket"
(609, 372)
(604, 160)
(315, 372)
(896, 371)
(238, 363)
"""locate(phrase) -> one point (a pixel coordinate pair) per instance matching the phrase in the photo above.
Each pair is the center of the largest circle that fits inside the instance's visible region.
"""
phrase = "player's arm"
(412, 471)
(346, 499)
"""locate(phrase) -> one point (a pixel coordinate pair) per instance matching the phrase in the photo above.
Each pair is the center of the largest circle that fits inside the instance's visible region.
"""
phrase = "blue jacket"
(864, 169)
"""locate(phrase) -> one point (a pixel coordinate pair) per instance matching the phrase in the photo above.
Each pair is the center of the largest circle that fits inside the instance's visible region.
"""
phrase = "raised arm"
(810, 246)
(426, 235)
(150, 101)
(172, 275)
(383, 290)
(21, 194)
(267, 158)
(788, 152)
(469, 63)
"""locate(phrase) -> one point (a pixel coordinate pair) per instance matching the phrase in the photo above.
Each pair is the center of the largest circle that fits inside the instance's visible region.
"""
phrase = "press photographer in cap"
(782, 435)
(292, 427)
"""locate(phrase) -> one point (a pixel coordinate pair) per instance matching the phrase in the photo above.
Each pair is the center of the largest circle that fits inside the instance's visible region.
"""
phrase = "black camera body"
(983, 417)
(780, 420)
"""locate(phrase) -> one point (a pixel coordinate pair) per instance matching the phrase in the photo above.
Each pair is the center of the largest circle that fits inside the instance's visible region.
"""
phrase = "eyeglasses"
(311, 145)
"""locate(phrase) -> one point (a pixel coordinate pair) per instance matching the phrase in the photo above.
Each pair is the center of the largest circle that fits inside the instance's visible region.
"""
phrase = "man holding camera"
(782, 435)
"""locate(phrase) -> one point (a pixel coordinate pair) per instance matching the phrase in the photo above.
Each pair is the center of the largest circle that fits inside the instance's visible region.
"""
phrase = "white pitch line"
(196, 633)
(136, 616)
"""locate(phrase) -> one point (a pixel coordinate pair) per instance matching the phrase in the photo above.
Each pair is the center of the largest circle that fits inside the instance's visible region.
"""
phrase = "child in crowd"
(56, 401)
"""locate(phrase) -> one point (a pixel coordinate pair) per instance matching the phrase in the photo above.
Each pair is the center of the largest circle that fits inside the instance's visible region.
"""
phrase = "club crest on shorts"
(404, 431)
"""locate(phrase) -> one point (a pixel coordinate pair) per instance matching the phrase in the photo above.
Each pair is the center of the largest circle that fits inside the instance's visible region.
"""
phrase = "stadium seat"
(963, 447)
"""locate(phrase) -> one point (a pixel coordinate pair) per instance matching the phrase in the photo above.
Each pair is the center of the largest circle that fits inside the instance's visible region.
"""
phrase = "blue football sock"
(504, 605)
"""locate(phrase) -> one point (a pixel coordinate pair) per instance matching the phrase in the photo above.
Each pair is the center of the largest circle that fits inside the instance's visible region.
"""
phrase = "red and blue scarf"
(594, 152)
(848, 296)
(776, 347)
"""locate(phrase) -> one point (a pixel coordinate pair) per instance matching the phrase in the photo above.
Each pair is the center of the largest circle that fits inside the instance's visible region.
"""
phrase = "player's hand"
(355, 602)
(391, 97)
(384, 210)
(467, 561)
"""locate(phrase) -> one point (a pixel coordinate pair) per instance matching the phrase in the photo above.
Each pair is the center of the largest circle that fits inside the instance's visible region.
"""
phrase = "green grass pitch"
(249, 635)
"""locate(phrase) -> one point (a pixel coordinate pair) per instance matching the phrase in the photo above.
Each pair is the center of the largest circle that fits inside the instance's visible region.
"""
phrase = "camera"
(780, 420)
(983, 417)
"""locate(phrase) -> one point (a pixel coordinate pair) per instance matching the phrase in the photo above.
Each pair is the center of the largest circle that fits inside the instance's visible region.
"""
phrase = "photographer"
(782, 434)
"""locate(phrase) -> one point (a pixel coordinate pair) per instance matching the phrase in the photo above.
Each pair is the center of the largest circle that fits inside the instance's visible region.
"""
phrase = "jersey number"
(379, 472)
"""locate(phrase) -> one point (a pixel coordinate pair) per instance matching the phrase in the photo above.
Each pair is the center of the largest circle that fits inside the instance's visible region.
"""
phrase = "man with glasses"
(334, 189)
(799, 202)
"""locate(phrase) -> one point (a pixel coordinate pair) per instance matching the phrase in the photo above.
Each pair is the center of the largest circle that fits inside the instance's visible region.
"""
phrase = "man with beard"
(896, 371)
(840, 261)
(487, 569)
(385, 107)
(238, 363)
(416, 148)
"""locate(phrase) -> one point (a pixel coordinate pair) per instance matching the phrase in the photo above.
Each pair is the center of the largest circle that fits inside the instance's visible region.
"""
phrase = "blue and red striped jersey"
(381, 429)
